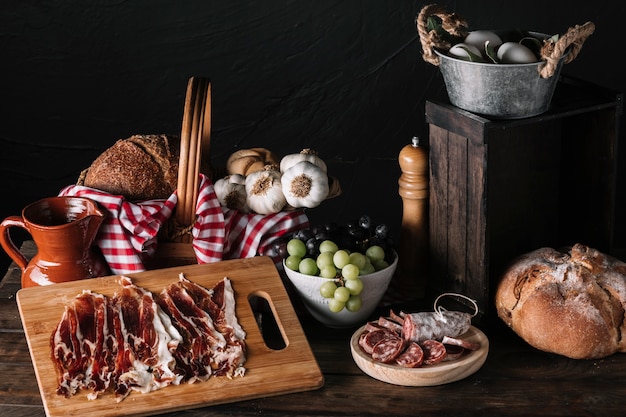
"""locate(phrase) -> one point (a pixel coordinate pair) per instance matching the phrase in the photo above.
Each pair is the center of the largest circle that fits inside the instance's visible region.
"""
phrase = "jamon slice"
(145, 340)
(213, 341)
(78, 348)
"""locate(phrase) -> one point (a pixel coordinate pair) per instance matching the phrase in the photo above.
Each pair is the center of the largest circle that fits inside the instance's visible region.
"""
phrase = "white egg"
(460, 50)
(479, 37)
(515, 53)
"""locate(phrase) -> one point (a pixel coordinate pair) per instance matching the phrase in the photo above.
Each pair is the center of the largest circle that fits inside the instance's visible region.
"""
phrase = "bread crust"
(141, 167)
(570, 303)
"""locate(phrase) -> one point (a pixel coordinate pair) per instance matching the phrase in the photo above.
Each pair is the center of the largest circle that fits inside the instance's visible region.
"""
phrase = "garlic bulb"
(231, 192)
(305, 155)
(305, 185)
(246, 161)
(264, 190)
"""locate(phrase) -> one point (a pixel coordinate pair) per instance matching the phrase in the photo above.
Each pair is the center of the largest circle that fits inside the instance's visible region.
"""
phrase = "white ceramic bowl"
(374, 288)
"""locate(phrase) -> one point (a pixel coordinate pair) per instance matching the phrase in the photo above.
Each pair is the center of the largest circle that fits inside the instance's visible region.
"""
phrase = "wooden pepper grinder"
(413, 240)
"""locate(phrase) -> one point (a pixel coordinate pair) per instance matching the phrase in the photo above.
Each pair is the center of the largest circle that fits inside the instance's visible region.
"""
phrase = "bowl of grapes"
(341, 273)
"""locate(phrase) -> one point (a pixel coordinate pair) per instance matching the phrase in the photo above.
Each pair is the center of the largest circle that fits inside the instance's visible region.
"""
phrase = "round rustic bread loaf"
(141, 167)
(571, 303)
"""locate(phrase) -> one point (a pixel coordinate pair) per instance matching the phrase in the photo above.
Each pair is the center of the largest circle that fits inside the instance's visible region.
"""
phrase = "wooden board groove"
(268, 372)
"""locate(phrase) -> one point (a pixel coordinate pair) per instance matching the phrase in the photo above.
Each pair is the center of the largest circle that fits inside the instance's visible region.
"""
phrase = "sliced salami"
(454, 352)
(368, 340)
(396, 317)
(460, 342)
(388, 349)
(412, 357)
(434, 351)
(389, 324)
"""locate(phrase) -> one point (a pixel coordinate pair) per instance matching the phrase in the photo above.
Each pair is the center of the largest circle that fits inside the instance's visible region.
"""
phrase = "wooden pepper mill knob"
(413, 240)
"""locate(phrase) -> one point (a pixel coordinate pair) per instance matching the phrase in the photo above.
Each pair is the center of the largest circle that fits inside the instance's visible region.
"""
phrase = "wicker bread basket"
(175, 241)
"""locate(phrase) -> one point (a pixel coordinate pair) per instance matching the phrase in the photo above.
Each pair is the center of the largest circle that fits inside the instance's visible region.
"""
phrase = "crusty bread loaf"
(141, 167)
(570, 303)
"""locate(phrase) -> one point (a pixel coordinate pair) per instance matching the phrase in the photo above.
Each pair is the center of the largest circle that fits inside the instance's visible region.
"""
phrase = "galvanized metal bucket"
(503, 91)
(506, 91)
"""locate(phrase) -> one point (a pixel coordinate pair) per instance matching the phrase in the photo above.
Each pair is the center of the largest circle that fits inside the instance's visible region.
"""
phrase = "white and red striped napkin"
(129, 234)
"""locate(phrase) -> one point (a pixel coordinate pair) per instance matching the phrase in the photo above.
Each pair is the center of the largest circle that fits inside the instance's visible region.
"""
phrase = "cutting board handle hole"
(265, 318)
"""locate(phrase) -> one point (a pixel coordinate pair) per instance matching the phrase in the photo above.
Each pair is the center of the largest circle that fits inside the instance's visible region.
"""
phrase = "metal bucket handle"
(457, 28)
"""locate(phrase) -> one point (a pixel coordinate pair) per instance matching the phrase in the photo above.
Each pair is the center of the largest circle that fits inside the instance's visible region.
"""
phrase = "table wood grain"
(516, 380)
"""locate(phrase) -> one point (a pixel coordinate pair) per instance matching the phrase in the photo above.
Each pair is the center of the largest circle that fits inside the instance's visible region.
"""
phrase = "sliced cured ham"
(213, 340)
(145, 362)
(78, 348)
(135, 341)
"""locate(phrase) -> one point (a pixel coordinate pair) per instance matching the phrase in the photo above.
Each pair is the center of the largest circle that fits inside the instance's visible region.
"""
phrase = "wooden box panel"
(500, 188)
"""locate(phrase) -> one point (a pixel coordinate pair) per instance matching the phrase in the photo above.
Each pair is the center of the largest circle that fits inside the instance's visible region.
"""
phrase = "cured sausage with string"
(418, 339)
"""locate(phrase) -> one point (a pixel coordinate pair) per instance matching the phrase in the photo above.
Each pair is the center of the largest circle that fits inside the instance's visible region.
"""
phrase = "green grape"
(342, 294)
(308, 266)
(355, 286)
(375, 253)
(354, 303)
(358, 259)
(325, 259)
(335, 305)
(341, 258)
(368, 269)
(350, 271)
(293, 262)
(380, 264)
(296, 247)
(328, 246)
(328, 271)
(327, 289)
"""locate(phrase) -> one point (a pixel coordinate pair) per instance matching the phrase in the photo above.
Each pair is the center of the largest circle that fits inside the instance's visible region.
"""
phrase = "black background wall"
(343, 77)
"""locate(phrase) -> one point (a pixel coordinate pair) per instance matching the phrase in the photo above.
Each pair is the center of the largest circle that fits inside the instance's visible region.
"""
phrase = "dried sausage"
(453, 352)
(412, 357)
(460, 342)
(387, 350)
(389, 324)
(418, 327)
(368, 340)
(434, 351)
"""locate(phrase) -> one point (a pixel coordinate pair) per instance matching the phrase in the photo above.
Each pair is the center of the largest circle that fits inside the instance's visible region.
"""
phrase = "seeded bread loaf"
(141, 167)
(571, 302)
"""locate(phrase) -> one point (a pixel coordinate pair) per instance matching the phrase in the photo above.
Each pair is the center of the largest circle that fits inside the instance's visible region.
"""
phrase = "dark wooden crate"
(501, 188)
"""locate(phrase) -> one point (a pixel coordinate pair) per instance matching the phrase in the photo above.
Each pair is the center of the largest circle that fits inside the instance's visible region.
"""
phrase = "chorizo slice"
(388, 349)
(434, 351)
(368, 340)
(460, 342)
(411, 357)
(454, 352)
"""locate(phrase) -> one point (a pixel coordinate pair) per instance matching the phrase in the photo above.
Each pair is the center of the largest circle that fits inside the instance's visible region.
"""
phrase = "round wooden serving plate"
(431, 375)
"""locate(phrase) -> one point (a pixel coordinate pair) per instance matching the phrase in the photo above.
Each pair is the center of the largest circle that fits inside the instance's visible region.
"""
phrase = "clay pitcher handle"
(8, 245)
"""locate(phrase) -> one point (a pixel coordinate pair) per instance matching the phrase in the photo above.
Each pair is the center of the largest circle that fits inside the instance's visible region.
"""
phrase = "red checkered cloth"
(129, 233)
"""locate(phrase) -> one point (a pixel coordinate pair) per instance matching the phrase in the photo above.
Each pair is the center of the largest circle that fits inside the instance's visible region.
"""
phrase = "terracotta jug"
(63, 229)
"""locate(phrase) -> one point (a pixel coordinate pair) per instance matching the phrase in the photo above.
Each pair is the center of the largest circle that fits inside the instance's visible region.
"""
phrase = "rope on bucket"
(552, 52)
(453, 24)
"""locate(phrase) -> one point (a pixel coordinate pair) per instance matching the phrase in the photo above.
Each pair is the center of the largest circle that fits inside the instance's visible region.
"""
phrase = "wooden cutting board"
(269, 371)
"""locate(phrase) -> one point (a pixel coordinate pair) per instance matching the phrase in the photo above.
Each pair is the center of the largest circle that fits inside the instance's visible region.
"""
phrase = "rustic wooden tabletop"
(516, 380)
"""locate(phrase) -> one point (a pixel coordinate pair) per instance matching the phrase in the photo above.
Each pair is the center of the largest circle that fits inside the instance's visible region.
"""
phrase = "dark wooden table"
(516, 380)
